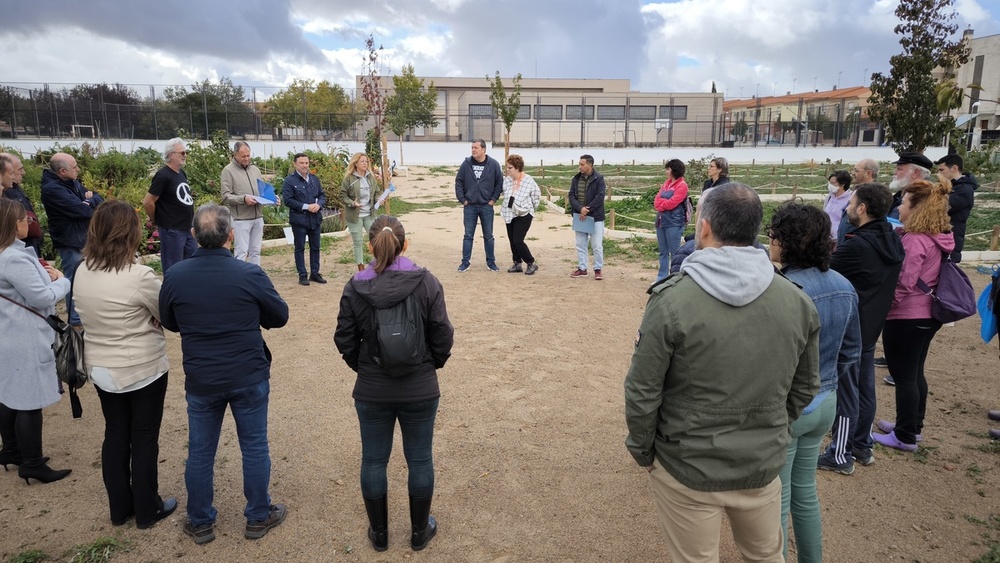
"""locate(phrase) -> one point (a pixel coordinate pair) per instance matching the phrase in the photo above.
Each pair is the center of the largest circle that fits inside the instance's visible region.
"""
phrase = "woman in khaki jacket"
(358, 193)
(125, 357)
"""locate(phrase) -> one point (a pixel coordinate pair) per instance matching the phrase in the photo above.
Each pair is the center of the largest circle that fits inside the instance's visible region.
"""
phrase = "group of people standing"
(219, 303)
(684, 391)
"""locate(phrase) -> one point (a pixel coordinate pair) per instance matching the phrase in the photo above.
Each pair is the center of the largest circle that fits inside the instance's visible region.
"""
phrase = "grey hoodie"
(735, 275)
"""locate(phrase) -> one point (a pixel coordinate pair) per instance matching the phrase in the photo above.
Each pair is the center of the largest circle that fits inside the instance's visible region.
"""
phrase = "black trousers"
(130, 452)
(517, 229)
(22, 434)
(906, 343)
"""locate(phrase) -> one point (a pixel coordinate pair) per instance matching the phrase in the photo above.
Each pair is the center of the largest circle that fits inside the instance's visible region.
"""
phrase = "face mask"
(832, 188)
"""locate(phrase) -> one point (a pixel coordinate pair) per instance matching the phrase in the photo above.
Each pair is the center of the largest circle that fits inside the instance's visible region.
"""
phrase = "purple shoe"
(887, 427)
(889, 440)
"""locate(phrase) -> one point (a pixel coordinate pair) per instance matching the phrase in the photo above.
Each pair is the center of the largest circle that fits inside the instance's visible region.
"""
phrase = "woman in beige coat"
(358, 193)
(125, 357)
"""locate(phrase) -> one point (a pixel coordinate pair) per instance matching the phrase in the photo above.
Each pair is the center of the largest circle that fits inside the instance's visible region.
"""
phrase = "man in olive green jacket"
(240, 193)
(726, 358)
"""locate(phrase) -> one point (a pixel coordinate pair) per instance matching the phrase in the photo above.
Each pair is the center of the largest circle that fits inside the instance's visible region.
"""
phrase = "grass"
(100, 550)
(991, 537)
(30, 556)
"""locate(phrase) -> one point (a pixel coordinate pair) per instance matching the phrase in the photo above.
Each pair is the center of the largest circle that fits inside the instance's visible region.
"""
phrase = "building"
(835, 117)
(980, 110)
(572, 112)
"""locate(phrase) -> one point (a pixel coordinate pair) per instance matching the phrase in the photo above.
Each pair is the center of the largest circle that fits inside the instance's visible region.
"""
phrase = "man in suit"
(219, 304)
(304, 197)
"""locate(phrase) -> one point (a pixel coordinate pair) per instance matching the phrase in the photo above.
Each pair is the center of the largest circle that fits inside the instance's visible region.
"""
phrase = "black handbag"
(68, 348)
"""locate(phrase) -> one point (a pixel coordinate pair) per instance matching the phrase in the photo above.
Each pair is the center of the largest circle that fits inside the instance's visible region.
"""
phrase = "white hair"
(169, 147)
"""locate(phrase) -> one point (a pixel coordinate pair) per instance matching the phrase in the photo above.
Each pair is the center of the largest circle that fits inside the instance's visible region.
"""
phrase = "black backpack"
(399, 335)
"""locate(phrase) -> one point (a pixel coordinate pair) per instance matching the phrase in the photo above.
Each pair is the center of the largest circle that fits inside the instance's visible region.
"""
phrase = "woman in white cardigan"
(125, 357)
(28, 380)
(519, 201)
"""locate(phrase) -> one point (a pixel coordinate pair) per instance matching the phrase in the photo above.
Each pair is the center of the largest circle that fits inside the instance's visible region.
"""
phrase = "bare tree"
(376, 103)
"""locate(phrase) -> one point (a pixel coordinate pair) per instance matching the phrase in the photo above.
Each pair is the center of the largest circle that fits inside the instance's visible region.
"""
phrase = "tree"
(905, 102)
(207, 105)
(311, 106)
(713, 87)
(375, 102)
(109, 94)
(410, 105)
(504, 106)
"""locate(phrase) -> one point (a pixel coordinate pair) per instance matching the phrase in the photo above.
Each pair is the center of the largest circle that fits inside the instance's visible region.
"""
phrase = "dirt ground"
(530, 460)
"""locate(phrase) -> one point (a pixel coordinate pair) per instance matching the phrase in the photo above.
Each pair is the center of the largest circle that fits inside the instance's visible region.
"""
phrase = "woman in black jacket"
(390, 387)
(718, 173)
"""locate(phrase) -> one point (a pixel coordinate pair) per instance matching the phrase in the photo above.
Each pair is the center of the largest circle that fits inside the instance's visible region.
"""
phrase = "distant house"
(980, 110)
(835, 117)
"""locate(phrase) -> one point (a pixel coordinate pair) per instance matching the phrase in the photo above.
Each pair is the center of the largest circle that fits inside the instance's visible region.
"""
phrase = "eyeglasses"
(182, 153)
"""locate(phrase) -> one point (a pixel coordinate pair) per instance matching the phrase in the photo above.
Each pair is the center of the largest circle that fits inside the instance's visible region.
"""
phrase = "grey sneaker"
(864, 457)
(202, 534)
(827, 463)
(257, 530)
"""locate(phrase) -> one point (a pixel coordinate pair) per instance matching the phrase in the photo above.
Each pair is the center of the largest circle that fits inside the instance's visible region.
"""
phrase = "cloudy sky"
(744, 46)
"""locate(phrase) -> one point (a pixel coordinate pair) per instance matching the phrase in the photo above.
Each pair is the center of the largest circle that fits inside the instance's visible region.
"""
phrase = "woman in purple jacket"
(409, 392)
(909, 328)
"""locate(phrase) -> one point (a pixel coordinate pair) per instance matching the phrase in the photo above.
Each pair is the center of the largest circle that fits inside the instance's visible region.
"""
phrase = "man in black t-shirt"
(170, 206)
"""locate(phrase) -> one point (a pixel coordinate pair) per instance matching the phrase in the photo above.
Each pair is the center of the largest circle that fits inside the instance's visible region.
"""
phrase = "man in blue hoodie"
(69, 207)
(478, 184)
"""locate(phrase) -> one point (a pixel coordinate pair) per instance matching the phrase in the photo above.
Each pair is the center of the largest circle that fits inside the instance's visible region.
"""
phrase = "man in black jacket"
(69, 207)
(219, 304)
(963, 196)
(586, 196)
(34, 237)
(870, 258)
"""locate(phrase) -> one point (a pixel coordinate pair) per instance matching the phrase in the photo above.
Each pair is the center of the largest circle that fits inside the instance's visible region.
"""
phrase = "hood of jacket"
(966, 179)
(883, 240)
(944, 241)
(735, 275)
(390, 287)
(49, 178)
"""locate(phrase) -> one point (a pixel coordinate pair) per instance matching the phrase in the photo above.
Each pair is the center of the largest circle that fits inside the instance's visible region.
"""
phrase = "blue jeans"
(71, 259)
(669, 241)
(484, 214)
(798, 481)
(175, 245)
(596, 244)
(205, 412)
(416, 422)
(866, 400)
(299, 234)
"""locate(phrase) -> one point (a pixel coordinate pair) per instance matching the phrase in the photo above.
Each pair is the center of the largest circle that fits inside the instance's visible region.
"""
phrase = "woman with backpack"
(671, 217)
(909, 328)
(397, 373)
(28, 382)
(126, 358)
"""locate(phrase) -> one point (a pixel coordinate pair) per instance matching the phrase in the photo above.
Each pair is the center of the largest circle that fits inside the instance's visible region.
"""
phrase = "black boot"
(378, 522)
(29, 437)
(424, 525)
(10, 453)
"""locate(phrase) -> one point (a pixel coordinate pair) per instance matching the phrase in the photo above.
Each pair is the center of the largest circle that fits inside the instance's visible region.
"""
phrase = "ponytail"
(387, 237)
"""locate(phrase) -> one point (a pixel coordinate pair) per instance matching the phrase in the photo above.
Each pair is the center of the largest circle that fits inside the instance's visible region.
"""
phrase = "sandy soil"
(530, 459)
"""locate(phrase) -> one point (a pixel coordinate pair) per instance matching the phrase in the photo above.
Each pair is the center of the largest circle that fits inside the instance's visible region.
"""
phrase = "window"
(524, 112)
(610, 112)
(480, 110)
(642, 112)
(548, 112)
(573, 112)
(673, 112)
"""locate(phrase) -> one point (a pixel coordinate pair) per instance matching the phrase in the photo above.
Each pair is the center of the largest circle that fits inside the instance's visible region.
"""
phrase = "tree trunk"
(506, 149)
(386, 178)
(401, 150)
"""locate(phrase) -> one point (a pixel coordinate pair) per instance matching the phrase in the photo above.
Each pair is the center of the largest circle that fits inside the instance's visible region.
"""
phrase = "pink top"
(680, 189)
(922, 260)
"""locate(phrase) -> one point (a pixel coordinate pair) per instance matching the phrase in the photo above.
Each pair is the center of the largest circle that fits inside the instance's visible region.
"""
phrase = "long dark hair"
(387, 237)
(11, 211)
(804, 234)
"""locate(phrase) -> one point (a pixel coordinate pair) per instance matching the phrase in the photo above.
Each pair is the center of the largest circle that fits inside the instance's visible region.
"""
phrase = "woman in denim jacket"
(801, 243)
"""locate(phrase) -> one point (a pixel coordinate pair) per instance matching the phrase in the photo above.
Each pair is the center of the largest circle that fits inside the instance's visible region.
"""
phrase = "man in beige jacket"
(239, 193)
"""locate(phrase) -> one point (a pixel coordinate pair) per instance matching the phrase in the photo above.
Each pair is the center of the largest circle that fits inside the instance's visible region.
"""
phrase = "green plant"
(30, 556)
(99, 551)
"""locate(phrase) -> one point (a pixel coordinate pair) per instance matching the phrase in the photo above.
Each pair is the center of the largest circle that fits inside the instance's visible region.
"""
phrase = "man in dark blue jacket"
(69, 207)
(219, 304)
(478, 184)
(304, 197)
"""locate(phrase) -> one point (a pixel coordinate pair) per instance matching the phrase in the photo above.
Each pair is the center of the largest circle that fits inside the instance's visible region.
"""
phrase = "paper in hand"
(267, 195)
(385, 195)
